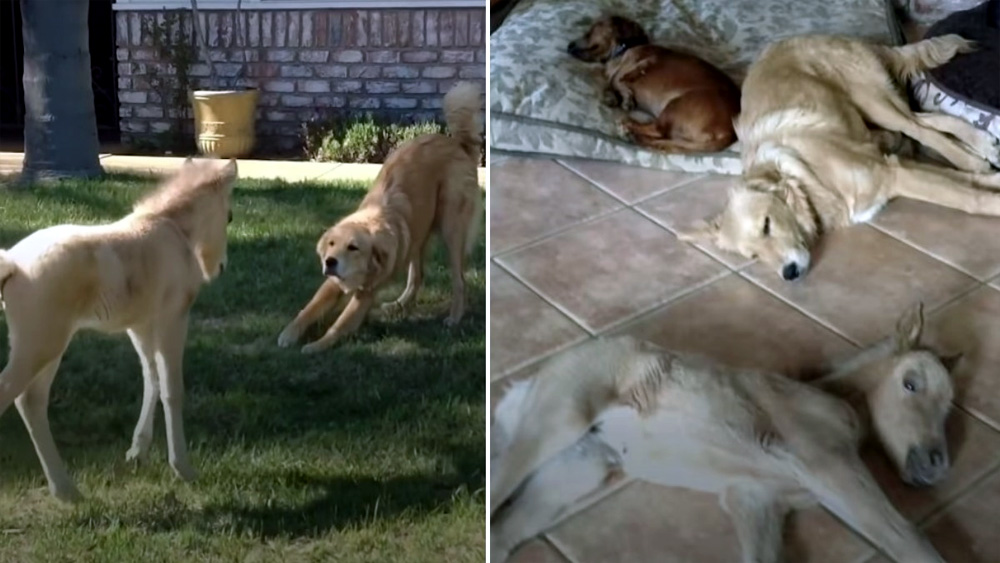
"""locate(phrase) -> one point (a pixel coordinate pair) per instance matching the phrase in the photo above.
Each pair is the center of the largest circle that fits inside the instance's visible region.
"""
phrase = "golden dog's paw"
(314, 347)
(392, 309)
(184, 471)
(288, 337)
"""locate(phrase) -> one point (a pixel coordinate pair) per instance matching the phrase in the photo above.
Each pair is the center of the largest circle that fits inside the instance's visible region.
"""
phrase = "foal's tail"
(907, 60)
(560, 404)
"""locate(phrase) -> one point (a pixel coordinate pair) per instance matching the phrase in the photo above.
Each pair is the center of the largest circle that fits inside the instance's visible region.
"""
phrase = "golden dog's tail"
(461, 113)
(908, 60)
(562, 402)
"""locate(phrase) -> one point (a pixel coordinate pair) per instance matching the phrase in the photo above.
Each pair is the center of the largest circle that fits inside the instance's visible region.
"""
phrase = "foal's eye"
(767, 226)
(230, 216)
(909, 385)
(352, 247)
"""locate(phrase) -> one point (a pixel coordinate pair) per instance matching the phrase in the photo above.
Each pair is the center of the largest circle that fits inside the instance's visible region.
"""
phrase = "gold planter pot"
(224, 121)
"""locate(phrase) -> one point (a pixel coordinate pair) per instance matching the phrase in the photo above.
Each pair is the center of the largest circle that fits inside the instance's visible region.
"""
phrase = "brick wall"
(308, 64)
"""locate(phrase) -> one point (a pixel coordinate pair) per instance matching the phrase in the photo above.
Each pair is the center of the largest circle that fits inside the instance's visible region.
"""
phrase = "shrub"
(360, 139)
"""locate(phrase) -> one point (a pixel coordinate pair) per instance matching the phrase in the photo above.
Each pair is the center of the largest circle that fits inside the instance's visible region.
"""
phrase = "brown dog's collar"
(619, 50)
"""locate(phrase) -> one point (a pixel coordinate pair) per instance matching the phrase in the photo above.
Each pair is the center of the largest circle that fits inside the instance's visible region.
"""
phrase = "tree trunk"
(60, 126)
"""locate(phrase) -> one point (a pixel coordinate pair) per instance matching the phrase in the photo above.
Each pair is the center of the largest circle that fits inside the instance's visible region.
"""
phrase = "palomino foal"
(138, 275)
(764, 443)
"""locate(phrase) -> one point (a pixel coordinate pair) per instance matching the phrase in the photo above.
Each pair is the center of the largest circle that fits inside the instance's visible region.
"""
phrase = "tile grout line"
(666, 302)
(553, 544)
(547, 300)
(929, 254)
(935, 515)
(698, 247)
(801, 310)
(556, 232)
(543, 357)
(978, 416)
(560, 548)
(681, 184)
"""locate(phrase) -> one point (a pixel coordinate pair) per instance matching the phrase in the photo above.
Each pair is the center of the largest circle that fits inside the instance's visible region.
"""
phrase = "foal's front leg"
(143, 339)
(845, 487)
(171, 335)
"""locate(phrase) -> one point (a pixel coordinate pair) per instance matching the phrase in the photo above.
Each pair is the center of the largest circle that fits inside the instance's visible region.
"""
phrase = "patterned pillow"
(967, 86)
(543, 101)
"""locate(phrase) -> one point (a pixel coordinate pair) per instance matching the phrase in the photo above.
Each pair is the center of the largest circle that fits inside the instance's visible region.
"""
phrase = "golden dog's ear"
(909, 327)
(382, 258)
(701, 231)
(794, 195)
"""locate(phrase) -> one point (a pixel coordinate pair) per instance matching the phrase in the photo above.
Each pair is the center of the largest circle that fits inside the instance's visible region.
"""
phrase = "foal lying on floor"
(764, 443)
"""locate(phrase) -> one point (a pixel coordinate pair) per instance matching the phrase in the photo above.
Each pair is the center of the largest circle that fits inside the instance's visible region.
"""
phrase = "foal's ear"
(909, 327)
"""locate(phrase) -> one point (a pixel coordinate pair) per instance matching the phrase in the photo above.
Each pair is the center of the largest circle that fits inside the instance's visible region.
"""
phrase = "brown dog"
(692, 102)
(427, 184)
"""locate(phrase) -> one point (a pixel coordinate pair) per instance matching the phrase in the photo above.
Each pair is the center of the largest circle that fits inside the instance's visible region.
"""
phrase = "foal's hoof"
(184, 471)
(136, 454)
(452, 321)
(66, 493)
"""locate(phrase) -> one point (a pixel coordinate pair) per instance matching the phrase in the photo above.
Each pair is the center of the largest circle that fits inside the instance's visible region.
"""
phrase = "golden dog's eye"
(352, 247)
(767, 226)
(332, 243)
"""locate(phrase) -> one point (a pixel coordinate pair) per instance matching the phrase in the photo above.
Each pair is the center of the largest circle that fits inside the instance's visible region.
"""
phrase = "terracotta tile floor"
(581, 249)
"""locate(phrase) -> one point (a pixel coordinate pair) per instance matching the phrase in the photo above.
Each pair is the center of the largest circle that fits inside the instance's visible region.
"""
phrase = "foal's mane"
(181, 190)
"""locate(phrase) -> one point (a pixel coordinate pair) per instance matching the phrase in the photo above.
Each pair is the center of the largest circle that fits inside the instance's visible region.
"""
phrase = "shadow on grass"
(401, 384)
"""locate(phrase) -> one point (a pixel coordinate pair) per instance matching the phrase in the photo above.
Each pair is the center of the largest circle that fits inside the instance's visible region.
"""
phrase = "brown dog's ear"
(909, 327)
(628, 32)
(701, 231)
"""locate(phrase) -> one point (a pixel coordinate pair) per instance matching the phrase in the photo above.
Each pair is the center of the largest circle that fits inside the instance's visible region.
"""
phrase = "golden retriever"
(139, 275)
(764, 443)
(692, 102)
(427, 184)
(811, 163)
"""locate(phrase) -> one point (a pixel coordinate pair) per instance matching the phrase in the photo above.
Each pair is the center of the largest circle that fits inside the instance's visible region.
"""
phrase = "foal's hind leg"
(888, 110)
(980, 142)
(759, 518)
(568, 480)
(33, 405)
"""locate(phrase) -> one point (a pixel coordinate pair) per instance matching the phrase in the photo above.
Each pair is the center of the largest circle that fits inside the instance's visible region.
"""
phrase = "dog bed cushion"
(968, 86)
(543, 101)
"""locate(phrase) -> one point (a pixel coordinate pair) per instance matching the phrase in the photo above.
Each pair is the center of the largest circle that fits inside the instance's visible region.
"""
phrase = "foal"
(764, 443)
(139, 275)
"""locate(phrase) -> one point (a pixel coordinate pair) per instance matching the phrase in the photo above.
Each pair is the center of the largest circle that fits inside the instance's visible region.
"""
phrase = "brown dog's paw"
(628, 104)
(611, 98)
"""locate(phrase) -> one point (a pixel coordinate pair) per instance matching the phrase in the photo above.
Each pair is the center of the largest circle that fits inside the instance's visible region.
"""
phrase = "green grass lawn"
(372, 451)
